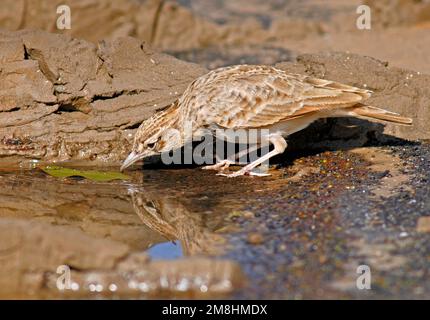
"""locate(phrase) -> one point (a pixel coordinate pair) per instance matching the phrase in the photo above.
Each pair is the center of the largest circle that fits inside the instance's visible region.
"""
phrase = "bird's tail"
(364, 111)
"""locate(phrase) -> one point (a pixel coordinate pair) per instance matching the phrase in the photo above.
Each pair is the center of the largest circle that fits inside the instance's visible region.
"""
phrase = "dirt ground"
(347, 192)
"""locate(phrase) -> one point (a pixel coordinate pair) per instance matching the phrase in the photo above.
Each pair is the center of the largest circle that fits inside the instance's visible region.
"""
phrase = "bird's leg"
(222, 165)
(245, 152)
(279, 144)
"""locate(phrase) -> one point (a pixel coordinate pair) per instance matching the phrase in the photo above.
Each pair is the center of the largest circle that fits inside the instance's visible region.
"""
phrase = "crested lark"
(252, 97)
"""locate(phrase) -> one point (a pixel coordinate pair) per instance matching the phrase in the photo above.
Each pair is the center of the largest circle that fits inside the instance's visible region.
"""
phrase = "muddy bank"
(388, 13)
(198, 24)
(63, 98)
(66, 99)
(403, 91)
(164, 24)
(399, 29)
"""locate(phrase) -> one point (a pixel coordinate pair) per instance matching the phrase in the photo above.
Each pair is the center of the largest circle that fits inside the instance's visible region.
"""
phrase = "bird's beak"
(132, 158)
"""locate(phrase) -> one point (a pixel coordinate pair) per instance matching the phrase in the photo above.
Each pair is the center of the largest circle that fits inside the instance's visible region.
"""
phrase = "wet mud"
(186, 232)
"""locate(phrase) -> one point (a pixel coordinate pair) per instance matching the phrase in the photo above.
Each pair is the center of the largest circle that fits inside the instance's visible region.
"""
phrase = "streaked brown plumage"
(253, 97)
(173, 220)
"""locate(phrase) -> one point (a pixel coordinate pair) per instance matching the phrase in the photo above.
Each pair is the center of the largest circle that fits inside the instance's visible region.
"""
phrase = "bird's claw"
(243, 173)
(220, 166)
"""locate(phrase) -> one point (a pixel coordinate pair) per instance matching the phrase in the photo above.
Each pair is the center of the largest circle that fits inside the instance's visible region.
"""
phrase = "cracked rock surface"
(67, 99)
(64, 99)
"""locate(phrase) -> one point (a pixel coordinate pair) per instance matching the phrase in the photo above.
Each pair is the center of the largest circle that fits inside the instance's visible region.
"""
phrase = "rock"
(403, 91)
(218, 276)
(216, 57)
(90, 19)
(97, 210)
(186, 278)
(29, 248)
(165, 24)
(255, 238)
(39, 246)
(248, 214)
(423, 224)
(387, 13)
(31, 252)
(67, 99)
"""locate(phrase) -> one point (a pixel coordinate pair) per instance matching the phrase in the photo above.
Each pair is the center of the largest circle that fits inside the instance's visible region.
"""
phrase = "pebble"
(248, 214)
(255, 238)
(423, 225)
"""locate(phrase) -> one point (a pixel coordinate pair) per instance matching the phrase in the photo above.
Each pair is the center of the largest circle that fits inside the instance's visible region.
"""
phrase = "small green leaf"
(60, 172)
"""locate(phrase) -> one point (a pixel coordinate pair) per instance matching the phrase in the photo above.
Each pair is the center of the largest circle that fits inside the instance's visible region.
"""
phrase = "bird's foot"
(220, 166)
(243, 172)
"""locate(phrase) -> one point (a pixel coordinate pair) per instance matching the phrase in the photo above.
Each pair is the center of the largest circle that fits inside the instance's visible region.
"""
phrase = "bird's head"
(155, 135)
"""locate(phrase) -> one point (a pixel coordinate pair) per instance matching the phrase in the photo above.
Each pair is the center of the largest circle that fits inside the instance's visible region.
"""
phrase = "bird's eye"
(150, 204)
(151, 145)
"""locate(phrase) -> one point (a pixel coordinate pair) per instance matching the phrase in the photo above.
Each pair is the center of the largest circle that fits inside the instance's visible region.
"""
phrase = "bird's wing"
(253, 100)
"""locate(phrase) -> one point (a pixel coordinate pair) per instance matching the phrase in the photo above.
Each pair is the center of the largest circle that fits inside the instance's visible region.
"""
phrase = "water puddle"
(95, 228)
(165, 250)
(300, 233)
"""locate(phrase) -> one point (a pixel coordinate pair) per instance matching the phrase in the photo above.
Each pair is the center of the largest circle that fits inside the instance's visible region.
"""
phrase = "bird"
(251, 97)
(172, 219)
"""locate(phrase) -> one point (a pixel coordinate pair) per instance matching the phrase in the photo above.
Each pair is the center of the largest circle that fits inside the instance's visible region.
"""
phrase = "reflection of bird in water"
(173, 221)
(248, 98)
